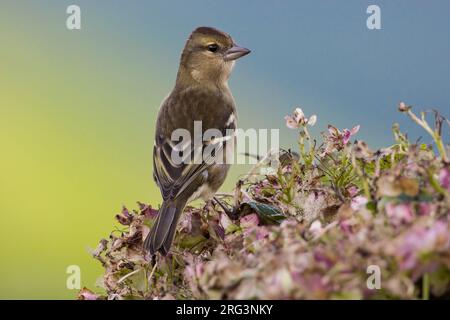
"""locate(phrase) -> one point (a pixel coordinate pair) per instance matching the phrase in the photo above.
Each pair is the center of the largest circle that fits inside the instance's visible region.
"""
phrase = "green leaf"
(371, 206)
(138, 281)
(188, 242)
(268, 214)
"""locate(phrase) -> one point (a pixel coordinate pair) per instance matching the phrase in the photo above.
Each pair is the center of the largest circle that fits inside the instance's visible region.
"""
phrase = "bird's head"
(209, 56)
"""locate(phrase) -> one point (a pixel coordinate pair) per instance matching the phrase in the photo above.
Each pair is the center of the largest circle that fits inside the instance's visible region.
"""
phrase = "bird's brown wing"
(175, 179)
(177, 182)
(179, 111)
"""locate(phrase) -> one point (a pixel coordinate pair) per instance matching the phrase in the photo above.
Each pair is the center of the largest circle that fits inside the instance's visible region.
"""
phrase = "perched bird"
(201, 93)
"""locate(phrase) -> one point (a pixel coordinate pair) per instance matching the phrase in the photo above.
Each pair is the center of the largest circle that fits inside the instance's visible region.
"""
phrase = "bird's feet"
(230, 211)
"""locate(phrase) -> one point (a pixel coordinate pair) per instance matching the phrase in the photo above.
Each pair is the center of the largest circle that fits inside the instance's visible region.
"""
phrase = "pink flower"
(323, 257)
(399, 213)
(342, 136)
(421, 240)
(427, 208)
(347, 226)
(259, 232)
(194, 270)
(250, 220)
(249, 224)
(316, 285)
(352, 191)
(125, 218)
(298, 119)
(199, 269)
(444, 178)
(336, 139)
(291, 123)
(358, 202)
(316, 228)
(348, 133)
(86, 294)
(147, 210)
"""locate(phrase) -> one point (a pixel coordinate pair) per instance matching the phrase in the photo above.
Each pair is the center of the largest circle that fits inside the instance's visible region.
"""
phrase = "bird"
(201, 95)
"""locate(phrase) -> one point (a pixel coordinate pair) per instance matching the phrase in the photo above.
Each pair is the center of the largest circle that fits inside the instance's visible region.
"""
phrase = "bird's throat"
(192, 76)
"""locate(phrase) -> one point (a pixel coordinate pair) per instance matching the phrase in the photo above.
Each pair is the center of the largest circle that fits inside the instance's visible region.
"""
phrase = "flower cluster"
(312, 230)
(336, 140)
(298, 119)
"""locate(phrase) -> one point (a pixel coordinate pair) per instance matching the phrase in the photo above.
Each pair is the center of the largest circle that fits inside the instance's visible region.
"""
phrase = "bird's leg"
(231, 213)
(209, 204)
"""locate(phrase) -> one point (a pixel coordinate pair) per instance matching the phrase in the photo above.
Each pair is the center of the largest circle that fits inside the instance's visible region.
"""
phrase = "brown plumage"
(201, 93)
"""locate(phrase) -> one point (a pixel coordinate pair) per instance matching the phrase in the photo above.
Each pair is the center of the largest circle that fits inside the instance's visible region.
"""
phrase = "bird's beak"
(235, 52)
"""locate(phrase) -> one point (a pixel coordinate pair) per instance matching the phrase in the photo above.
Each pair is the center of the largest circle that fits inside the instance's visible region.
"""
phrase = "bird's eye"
(213, 47)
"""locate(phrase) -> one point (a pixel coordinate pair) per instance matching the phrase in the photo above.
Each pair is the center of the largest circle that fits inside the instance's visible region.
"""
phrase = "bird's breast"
(213, 109)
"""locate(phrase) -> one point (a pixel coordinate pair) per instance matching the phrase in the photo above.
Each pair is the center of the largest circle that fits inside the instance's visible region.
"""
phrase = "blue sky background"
(316, 54)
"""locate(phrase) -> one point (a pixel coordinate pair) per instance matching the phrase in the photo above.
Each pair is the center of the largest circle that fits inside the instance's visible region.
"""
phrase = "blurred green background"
(77, 108)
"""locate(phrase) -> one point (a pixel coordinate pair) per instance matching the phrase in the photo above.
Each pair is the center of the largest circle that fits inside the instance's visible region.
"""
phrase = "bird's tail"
(163, 231)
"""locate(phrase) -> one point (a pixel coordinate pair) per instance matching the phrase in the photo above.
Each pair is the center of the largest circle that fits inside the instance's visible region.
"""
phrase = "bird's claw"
(230, 212)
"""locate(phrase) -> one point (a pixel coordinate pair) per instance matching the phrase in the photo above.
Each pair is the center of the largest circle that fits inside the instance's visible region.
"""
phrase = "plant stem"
(433, 133)
(440, 146)
(436, 186)
(362, 177)
(426, 287)
(128, 275)
(310, 155)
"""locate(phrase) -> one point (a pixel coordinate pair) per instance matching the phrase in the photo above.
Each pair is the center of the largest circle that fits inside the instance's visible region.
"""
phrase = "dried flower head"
(298, 119)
